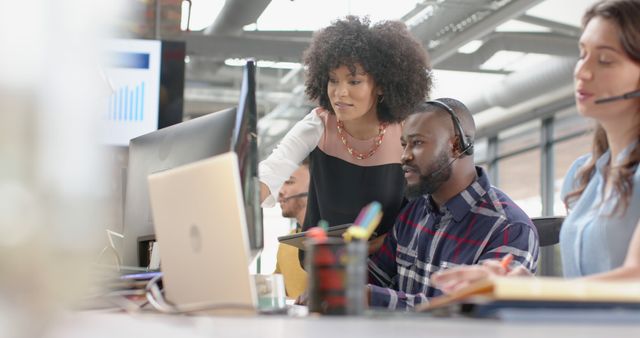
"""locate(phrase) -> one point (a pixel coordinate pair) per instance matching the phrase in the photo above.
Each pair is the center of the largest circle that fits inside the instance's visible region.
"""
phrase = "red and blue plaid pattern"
(480, 223)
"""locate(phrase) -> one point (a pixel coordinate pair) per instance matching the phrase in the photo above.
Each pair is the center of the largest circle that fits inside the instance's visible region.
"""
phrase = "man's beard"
(438, 173)
(296, 206)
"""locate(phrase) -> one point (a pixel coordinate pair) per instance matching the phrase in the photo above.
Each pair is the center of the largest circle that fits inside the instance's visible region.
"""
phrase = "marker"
(373, 224)
(324, 225)
(372, 210)
(361, 215)
(356, 232)
(318, 233)
(366, 222)
(506, 260)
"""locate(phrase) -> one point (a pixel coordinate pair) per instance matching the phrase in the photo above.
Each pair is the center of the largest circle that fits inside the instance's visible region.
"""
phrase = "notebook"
(200, 225)
(487, 297)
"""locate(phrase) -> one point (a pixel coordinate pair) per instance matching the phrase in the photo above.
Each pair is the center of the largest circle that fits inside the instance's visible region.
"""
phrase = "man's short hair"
(461, 118)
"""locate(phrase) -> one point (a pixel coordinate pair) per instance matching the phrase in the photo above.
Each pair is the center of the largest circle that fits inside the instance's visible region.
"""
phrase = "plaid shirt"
(479, 223)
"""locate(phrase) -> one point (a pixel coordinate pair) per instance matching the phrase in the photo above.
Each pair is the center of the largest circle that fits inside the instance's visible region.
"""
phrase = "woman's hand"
(264, 192)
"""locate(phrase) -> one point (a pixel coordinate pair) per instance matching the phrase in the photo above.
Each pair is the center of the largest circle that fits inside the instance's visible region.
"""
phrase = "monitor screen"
(160, 150)
(232, 129)
(245, 144)
(146, 80)
(132, 71)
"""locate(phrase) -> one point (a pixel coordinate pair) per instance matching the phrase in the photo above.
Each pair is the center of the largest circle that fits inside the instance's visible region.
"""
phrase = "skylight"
(512, 61)
(202, 14)
(310, 15)
(563, 11)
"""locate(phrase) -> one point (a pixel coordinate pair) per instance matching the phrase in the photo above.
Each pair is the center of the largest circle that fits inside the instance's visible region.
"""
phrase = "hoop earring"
(380, 98)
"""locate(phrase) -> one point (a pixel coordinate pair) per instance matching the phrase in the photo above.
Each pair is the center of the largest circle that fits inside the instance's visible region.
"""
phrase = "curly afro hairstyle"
(387, 51)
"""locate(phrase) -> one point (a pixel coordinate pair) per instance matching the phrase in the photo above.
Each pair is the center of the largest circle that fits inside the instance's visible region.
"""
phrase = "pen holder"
(337, 276)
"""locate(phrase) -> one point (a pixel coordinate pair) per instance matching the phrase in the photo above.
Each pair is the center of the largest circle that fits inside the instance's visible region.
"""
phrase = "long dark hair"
(625, 14)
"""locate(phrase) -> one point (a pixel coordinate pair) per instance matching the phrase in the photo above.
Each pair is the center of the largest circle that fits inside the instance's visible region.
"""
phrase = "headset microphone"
(464, 144)
(437, 171)
(300, 195)
(627, 96)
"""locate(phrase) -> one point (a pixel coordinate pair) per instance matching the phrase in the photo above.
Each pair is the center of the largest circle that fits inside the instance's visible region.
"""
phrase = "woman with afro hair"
(365, 79)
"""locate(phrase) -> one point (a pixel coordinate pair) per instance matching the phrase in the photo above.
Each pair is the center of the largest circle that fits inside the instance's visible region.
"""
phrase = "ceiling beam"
(236, 14)
(556, 27)
(449, 43)
(224, 47)
(541, 43)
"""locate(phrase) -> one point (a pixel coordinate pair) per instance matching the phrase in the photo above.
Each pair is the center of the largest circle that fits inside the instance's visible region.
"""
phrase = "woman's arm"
(285, 159)
(631, 267)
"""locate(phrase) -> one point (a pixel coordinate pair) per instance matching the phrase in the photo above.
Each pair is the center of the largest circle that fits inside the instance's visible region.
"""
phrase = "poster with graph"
(132, 72)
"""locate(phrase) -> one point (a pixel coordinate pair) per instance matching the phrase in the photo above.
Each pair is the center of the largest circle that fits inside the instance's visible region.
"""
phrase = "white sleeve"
(297, 144)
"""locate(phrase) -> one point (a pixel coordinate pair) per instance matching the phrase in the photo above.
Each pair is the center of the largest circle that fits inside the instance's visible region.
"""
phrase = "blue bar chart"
(132, 75)
(127, 103)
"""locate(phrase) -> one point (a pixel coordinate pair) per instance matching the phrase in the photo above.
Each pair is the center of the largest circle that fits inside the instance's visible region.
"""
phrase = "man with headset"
(455, 216)
(293, 202)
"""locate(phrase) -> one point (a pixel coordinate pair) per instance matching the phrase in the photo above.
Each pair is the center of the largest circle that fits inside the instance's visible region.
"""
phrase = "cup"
(271, 292)
(337, 276)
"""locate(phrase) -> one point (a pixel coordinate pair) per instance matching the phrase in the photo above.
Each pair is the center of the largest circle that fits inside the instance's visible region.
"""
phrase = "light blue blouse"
(591, 240)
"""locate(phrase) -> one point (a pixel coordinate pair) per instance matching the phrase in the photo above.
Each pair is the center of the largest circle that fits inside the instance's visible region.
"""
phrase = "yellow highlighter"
(366, 223)
(355, 232)
(373, 224)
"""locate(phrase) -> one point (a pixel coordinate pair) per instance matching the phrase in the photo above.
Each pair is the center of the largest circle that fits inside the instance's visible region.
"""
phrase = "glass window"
(568, 122)
(565, 153)
(519, 177)
(480, 150)
(519, 137)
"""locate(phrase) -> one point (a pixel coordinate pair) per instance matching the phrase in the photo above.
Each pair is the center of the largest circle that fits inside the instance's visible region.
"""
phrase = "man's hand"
(303, 298)
(376, 243)
(460, 277)
(367, 295)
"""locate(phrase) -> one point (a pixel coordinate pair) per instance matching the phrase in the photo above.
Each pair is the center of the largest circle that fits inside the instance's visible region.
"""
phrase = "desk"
(98, 325)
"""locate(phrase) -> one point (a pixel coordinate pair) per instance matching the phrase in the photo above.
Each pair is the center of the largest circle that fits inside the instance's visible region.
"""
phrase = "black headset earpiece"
(465, 145)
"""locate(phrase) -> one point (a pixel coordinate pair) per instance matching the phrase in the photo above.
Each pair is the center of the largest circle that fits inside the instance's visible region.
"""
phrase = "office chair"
(548, 229)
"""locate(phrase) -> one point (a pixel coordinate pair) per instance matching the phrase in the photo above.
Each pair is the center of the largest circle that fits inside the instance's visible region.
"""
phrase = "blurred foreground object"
(52, 177)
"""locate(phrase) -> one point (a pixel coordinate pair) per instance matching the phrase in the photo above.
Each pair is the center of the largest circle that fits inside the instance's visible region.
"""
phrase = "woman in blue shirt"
(601, 189)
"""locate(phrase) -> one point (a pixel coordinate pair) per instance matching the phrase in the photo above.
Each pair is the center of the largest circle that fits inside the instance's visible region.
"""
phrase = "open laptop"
(200, 224)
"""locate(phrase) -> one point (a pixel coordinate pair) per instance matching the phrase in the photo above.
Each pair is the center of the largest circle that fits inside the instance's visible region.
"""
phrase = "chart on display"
(132, 72)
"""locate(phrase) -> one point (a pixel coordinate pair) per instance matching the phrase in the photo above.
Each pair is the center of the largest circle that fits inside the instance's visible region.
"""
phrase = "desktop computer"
(233, 129)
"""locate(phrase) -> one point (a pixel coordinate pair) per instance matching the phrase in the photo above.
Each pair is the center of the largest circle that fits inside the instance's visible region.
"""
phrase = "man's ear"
(455, 146)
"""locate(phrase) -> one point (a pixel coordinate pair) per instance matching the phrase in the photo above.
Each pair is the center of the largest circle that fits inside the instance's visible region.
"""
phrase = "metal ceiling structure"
(442, 26)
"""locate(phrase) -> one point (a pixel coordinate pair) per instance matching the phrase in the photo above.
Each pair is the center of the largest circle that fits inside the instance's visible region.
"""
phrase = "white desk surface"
(98, 325)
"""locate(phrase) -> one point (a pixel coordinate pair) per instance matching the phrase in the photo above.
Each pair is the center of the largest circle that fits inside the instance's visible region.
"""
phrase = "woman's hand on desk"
(460, 277)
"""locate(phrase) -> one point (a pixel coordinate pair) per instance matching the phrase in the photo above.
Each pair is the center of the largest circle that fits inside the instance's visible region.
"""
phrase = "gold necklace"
(377, 141)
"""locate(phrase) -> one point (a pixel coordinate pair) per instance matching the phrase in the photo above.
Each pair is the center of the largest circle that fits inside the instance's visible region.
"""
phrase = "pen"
(506, 260)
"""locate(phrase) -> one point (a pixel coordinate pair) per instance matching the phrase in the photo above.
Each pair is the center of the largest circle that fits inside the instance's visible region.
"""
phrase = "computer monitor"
(146, 78)
(160, 150)
(233, 129)
(245, 144)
